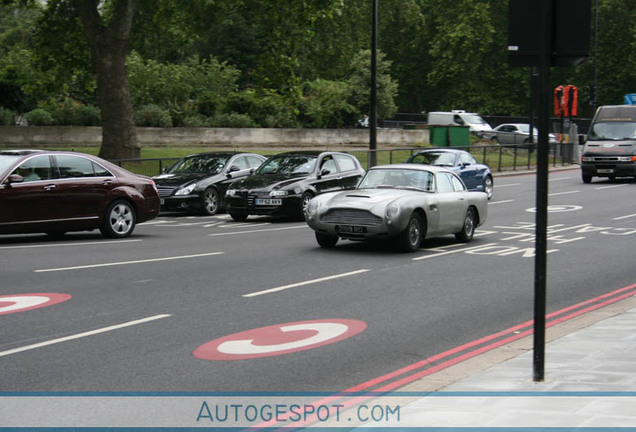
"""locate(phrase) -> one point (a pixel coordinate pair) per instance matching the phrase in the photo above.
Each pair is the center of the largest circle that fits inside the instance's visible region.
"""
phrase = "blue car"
(476, 176)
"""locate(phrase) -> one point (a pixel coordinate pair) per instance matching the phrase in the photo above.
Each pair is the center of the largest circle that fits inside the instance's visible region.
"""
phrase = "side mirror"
(231, 170)
(15, 178)
(324, 171)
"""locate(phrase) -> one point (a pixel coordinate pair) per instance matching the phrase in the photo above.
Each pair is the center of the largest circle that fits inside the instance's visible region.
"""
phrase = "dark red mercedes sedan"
(55, 192)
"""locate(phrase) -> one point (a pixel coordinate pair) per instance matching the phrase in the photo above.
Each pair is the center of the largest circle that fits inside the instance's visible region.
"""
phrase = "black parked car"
(198, 182)
(286, 182)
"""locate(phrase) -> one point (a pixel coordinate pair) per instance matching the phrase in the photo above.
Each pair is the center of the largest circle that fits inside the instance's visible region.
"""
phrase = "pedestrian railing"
(500, 158)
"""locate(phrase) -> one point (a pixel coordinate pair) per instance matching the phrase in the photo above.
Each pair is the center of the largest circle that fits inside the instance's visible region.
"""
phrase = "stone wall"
(69, 136)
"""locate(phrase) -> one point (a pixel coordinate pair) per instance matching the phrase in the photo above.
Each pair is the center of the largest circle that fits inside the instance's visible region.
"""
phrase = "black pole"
(533, 101)
(373, 115)
(594, 95)
(540, 271)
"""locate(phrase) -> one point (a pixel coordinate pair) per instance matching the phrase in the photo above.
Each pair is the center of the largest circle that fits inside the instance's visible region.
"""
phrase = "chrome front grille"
(165, 191)
(351, 217)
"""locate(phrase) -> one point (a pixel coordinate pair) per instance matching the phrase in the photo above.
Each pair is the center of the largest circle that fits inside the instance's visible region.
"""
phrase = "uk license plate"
(162, 201)
(605, 171)
(269, 201)
(350, 229)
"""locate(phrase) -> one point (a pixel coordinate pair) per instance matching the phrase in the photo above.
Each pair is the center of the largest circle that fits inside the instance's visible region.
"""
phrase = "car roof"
(19, 152)
(514, 124)
(412, 166)
(218, 153)
(444, 150)
(308, 153)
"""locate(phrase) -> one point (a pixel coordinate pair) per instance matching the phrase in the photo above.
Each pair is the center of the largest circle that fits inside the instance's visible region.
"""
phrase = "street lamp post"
(373, 115)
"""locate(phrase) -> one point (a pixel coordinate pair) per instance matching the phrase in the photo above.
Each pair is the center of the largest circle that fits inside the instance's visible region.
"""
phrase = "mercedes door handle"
(50, 187)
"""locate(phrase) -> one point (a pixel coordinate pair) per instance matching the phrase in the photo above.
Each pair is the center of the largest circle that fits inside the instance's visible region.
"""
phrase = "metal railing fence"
(500, 158)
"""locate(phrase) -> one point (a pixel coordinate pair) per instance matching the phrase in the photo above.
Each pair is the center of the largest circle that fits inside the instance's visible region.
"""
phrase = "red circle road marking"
(24, 302)
(279, 339)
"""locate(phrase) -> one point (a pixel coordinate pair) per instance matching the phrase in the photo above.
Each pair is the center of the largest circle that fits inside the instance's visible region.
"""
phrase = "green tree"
(20, 76)
(360, 84)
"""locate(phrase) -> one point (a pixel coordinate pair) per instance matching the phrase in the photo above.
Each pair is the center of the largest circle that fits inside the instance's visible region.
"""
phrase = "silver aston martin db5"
(405, 202)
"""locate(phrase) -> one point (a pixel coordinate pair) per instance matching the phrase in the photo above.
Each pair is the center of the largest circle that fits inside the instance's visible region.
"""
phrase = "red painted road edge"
(446, 359)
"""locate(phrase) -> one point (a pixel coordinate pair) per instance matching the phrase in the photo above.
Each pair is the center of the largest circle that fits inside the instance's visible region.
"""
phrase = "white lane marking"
(81, 335)
(129, 262)
(68, 244)
(241, 225)
(259, 230)
(212, 224)
(610, 187)
(313, 281)
(625, 217)
(500, 202)
(563, 193)
(559, 179)
(507, 185)
(452, 252)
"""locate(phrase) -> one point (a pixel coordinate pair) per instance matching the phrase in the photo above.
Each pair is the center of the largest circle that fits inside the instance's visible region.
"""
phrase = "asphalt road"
(150, 313)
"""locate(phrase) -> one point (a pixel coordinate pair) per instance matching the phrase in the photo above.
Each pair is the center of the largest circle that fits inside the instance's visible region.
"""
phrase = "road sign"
(279, 339)
(24, 302)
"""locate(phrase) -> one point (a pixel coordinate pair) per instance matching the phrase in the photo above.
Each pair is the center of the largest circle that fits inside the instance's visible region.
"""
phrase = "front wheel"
(304, 202)
(326, 241)
(468, 229)
(210, 202)
(119, 220)
(409, 240)
(586, 178)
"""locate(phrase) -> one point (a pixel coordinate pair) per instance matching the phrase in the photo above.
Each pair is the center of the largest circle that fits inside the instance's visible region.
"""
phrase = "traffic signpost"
(564, 29)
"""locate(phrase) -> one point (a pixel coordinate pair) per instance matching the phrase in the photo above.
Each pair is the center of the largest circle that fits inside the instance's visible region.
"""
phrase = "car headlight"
(278, 193)
(186, 190)
(230, 192)
(312, 208)
(392, 210)
(587, 159)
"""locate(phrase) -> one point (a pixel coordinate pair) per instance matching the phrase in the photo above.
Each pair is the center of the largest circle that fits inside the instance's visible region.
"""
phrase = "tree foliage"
(293, 63)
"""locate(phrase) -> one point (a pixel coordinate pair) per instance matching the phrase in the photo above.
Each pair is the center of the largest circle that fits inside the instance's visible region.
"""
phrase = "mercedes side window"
(35, 168)
(77, 167)
(254, 161)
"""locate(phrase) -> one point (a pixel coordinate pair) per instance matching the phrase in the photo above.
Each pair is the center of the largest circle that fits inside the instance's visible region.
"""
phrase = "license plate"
(269, 201)
(351, 229)
(162, 201)
(605, 171)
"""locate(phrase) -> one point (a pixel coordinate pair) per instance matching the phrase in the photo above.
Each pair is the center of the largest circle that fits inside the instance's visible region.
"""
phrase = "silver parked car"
(515, 133)
(406, 202)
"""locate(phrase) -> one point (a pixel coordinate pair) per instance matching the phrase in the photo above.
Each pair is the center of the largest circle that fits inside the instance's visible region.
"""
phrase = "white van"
(460, 118)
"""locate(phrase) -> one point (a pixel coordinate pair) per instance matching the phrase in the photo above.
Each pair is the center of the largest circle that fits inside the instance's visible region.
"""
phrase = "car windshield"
(290, 165)
(6, 161)
(208, 164)
(435, 158)
(613, 131)
(394, 178)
